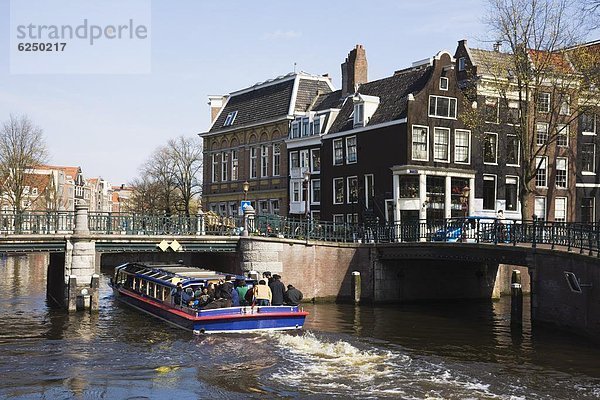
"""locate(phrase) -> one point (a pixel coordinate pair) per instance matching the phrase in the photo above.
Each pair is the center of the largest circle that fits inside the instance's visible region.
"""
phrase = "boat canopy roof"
(171, 274)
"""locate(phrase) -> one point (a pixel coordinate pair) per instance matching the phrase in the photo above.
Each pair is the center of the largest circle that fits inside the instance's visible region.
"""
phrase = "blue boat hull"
(231, 319)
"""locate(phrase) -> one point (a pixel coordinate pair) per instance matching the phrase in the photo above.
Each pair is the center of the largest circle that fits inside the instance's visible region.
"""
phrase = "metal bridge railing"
(570, 235)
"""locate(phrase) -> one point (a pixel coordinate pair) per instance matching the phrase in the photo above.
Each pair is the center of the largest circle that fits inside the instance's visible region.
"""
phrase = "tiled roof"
(261, 104)
(38, 181)
(308, 90)
(392, 93)
(492, 63)
(557, 61)
(329, 100)
(69, 171)
(270, 100)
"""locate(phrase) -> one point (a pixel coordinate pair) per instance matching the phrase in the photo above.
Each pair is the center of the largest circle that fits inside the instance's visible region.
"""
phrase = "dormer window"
(230, 118)
(443, 83)
(364, 108)
(317, 125)
(359, 114)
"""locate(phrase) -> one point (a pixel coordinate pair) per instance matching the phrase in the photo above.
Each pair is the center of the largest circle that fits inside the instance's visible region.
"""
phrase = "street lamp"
(245, 188)
(465, 195)
(305, 184)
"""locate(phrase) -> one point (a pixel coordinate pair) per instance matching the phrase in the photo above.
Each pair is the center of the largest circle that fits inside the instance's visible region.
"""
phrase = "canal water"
(428, 351)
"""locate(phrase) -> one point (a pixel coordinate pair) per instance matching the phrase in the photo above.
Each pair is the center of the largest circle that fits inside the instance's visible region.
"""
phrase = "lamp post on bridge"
(306, 185)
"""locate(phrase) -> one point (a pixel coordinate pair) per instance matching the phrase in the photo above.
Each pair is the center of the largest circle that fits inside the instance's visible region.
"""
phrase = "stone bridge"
(563, 273)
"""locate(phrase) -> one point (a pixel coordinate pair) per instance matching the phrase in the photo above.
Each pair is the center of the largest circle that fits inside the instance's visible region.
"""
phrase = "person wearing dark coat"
(293, 296)
(277, 290)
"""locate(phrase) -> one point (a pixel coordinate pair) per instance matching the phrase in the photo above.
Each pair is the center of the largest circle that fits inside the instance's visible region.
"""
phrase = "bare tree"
(160, 170)
(146, 196)
(22, 148)
(186, 154)
(537, 80)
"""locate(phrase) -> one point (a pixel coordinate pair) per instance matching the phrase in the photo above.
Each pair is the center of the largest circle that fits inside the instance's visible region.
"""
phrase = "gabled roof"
(38, 181)
(271, 100)
(492, 63)
(392, 92)
(69, 171)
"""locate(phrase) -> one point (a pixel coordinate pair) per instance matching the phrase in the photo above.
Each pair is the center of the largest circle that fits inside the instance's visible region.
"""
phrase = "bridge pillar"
(81, 276)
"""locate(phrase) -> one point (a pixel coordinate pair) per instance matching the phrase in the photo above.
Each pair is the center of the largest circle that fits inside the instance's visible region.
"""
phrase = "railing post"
(580, 238)
(534, 240)
(200, 228)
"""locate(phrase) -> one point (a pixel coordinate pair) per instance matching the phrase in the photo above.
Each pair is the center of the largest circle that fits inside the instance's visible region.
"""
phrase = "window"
(587, 123)
(315, 191)
(369, 190)
(565, 108)
(317, 125)
(264, 161)
(304, 162)
(315, 155)
(513, 150)
(275, 206)
(294, 160)
(338, 152)
(352, 189)
(560, 209)
(338, 219)
(444, 107)
(562, 135)
(543, 102)
(587, 210)
(491, 110)
(215, 167)
(234, 165)
(539, 207)
(512, 193)
(263, 207)
(233, 209)
(490, 148)
(541, 175)
(513, 113)
(253, 170)
(541, 133)
(588, 157)
(224, 166)
(351, 150)
(443, 83)
(276, 158)
(230, 118)
(462, 142)
(296, 189)
(305, 128)
(561, 173)
(462, 62)
(359, 114)
(338, 190)
(441, 144)
(352, 218)
(34, 191)
(420, 136)
(295, 129)
(489, 192)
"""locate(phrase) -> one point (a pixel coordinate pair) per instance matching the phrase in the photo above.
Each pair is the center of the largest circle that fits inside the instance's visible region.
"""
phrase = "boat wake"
(319, 366)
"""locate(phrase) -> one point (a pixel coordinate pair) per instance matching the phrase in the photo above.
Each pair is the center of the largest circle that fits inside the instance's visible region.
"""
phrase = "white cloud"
(279, 34)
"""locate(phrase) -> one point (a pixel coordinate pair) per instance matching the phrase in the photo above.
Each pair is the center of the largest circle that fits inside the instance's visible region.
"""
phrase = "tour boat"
(148, 288)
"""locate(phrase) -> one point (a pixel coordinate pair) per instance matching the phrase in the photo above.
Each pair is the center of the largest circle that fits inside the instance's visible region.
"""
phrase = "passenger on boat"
(235, 297)
(223, 291)
(204, 298)
(249, 296)
(242, 289)
(293, 296)
(277, 290)
(212, 290)
(187, 297)
(267, 276)
(262, 294)
(176, 293)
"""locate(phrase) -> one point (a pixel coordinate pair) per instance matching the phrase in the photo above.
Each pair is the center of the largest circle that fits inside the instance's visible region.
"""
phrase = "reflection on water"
(457, 350)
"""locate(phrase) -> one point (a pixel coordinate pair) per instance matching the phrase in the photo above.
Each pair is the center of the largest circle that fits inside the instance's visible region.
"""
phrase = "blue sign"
(244, 204)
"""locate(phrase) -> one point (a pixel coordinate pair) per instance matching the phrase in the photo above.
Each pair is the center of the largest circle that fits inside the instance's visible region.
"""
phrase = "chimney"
(216, 104)
(354, 70)
(497, 46)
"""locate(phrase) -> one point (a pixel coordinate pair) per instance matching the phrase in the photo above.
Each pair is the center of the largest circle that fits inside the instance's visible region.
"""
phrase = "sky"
(110, 123)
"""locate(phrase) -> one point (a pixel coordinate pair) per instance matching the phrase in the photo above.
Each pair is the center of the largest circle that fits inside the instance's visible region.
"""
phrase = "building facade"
(245, 153)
